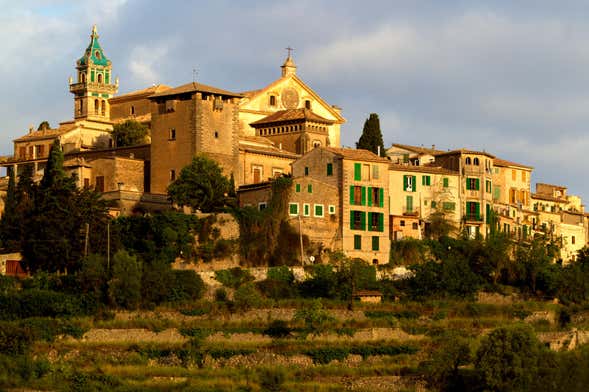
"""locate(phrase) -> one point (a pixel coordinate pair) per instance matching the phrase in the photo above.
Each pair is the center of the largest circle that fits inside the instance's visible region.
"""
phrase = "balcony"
(97, 87)
(473, 217)
(410, 212)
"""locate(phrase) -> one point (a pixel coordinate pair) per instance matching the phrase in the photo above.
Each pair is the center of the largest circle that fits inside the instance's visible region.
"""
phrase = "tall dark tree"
(371, 138)
(44, 125)
(9, 233)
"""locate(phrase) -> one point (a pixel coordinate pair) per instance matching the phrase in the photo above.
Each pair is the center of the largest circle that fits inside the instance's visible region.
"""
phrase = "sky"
(510, 78)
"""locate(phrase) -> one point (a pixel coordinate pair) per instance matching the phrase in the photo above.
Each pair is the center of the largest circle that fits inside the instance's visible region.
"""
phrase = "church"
(254, 135)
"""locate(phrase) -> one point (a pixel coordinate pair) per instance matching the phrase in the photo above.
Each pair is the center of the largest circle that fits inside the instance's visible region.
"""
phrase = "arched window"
(99, 78)
(475, 161)
(272, 100)
(132, 110)
(467, 160)
(81, 106)
(96, 106)
(103, 107)
(97, 54)
(83, 77)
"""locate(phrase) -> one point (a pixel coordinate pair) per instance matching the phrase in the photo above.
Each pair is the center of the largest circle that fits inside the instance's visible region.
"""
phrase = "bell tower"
(93, 87)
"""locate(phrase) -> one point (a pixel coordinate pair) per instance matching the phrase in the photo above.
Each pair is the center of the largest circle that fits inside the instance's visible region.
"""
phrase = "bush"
(124, 288)
(221, 295)
(280, 274)
(188, 285)
(278, 329)
(272, 380)
(44, 303)
(277, 289)
(233, 277)
(247, 297)
(14, 340)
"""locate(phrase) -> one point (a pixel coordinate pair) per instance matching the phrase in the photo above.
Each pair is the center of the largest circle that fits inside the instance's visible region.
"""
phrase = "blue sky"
(510, 79)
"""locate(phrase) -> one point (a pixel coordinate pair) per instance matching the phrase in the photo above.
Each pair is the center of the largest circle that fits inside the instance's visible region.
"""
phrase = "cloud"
(144, 61)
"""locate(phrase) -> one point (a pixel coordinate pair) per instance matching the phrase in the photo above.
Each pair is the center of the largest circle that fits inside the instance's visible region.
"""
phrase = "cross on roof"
(289, 50)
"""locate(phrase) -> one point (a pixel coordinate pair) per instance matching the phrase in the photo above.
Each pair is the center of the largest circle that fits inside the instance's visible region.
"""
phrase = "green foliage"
(14, 340)
(509, 359)
(246, 297)
(201, 186)
(43, 126)
(279, 283)
(272, 380)
(451, 352)
(408, 251)
(233, 277)
(324, 355)
(321, 284)
(316, 320)
(124, 288)
(44, 303)
(129, 133)
(278, 329)
(371, 138)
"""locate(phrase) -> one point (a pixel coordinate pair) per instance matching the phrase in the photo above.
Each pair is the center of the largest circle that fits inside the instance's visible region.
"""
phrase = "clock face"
(290, 98)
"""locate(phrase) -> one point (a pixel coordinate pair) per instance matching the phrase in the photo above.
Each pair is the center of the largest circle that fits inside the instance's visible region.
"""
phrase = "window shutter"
(381, 222)
(477, 209)
(362, 221)
(352, 220)
(477, 184)
(369, 196)
(329, 169)
(405, 183)
(381, 199)
(445, 182)
(422, 180)
(357, 172)
(370, 221)
(414, 184)
(363, 196)
(351, 194)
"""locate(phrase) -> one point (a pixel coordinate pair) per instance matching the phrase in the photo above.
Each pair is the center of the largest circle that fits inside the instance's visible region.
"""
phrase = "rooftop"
(193, 88)
(287, 115)
(356, 155)
(503, 162)
(156, 88)
(419, 149)
(465, 151)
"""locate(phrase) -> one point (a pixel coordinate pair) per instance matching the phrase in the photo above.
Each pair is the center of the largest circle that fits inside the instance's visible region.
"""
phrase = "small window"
(306, 209)
(297, 187)
(375, 173)
(375, 243)
(306, 170)
(272, 100)
(132, 110)
(293, 209)
(316, 143)
(402, 223)
(172, 134)
(172, 175)
(331, 209)
(307, 104)
(99, 184)
(319, 210)
(330, 169)
(310, 188)
(97, 54)
(426, 180)
(573, 240)
(99, 78)
(475, 161)
(262, 206)
(467, 161)
(216, 134)
(357, 242)
(414, 226)
(86, 183)
(446, 182)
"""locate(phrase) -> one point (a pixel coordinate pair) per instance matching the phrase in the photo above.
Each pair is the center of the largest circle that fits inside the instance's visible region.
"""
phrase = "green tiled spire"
(94, 52)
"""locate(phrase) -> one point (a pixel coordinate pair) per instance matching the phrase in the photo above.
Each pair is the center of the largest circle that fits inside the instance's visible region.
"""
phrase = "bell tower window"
(83, 77)
(103, 107)
(272, 100)
(99, 78)
(96, 106)
(97, 54)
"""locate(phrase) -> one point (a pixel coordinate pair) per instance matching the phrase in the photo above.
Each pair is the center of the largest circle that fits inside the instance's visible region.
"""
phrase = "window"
(330, 169)
(132, 110)
(257, 174)
(488, 186)
(297, 187)
(310, 188)
(216, 134)
(376, 197)
(316, 143)
(402, 223)
(96, 106)
(513, 174)
(357, 220)
(415, 226)
(331, 210)
(467, 161)
(375, 173)
(276, 172)
(409, 183)
(357, 195)
(103, 108)
(172, 134)
(306, 209)
(512, 195)
(99, 184)
(172, 175)
(86, 183)
(472, 184)
(357, 172)
(496, 192)
(307, 104)
(319, 210)
(262, 206)
(272, 100)
(426, 180)
(99, 78)
(409, 204)
(523, 176)
(573, 240)
(357, 242)
(375, 221)
(293, 209)
(473, 211)
(366, 172)
(306, 170)
(375, 243)
(433, 204)
(475, 161)
(446, 181)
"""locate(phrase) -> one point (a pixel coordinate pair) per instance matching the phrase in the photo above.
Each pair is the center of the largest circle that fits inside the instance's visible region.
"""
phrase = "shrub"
(277, 289)
(188, 285)
(44, 303)
(14, 340)
(281, 274)
(272, 380)
(124, 288)
(278, 329)
(247, 297)
(233, 277)
(221, 295)
(315, 318)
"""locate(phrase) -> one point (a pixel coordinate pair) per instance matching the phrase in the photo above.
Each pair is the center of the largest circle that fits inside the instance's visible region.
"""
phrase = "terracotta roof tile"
(422, 169)
(418, 149)
(146, 91)
(46, 133)
(465, 151)
(292, 115)
(503, 162)
(356, 155)
(194, 87)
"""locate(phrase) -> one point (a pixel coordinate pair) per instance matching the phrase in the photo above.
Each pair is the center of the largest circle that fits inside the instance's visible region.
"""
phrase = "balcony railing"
(98, 87)
(473, 217)
(410, 212)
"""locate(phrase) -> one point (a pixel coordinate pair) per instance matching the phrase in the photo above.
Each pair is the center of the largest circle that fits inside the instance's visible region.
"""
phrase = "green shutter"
(298, 187)
(381, 197)
(477, 184)
(422, 180)
(370, 221)
(405, 183)
(92, 75)
(429, 180)
(445, 182)
(357, 242)
(477, 209)
(381, 222)
(362, 221)
(375, 243)
(351, 194)
(414, 183)
(488, 214)
(357, 172)
(369, 196)
(294, 209)
(351, 220)
(106, 78)
(409, 203)
(310, 188)
(363, 196)
(329, 169)
(433, 205)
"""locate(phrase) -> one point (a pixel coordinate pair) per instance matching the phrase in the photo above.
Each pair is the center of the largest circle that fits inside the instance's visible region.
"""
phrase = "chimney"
(433, 146)
(378, 151)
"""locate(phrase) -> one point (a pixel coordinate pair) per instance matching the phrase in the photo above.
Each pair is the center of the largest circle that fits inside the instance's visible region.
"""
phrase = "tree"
(129, 133)
(9, 224)
(509, 359)
(201, 185)
(124, 289)
(44, 125)
(452, 350)
(371, 138)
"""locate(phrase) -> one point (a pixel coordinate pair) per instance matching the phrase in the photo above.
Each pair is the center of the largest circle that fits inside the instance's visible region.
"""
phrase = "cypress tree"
(371, 137)
(54, 173)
